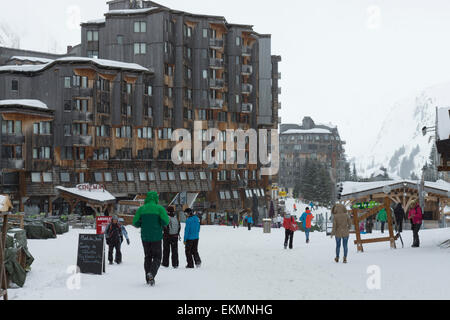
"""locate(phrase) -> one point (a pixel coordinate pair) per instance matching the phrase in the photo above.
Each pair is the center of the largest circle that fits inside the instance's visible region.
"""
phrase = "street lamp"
(426, 129)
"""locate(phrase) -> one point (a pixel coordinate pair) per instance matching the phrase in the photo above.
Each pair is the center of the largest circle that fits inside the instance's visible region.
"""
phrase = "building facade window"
(140, 48)
(92, 35)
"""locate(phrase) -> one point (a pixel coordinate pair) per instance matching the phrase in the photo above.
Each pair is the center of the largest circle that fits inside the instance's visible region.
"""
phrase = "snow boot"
(111, 263)
(345, 260)
(150, 280)
(285, 247)
(336, 259)
(199, 265)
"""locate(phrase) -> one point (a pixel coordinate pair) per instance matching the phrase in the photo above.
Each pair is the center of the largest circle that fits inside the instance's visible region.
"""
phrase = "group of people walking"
(290, 226)
(160, 233)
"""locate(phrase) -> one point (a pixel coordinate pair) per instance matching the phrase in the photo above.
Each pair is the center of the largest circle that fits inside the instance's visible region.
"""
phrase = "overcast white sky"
(344, 61)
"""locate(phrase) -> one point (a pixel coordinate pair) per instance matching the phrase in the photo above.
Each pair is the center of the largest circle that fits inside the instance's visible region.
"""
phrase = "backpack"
(174, 226)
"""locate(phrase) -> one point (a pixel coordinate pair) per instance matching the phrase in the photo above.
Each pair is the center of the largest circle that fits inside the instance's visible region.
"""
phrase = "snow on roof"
(316, 130)
(96, 195)
(105, 63)
(32, 59)
(24, 102)
(24, 68)
(131, 11)
(356, 187)
(96, 21)
(99, 62)
(443, 123)
(328, 124)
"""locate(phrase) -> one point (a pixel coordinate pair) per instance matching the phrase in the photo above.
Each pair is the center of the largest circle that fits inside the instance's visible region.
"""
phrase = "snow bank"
(105, 63)
(24, 102)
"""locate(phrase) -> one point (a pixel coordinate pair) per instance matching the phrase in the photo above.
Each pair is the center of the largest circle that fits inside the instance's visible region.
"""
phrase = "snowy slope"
(400, 146)
(239, 265)
(8, 38)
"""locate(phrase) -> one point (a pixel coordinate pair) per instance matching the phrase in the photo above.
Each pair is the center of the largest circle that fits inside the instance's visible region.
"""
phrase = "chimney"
(69, 48)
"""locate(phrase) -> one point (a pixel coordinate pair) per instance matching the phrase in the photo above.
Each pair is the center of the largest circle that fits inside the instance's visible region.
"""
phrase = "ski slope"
(238, 264)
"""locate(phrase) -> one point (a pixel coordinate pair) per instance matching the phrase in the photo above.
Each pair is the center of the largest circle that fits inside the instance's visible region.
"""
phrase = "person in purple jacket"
(191, 239)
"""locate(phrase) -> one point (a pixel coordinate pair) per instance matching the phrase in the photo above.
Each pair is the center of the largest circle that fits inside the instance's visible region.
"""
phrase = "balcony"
(278, 105)
(13, 139)
(246, 51)
(216, 43)
(13, 164)
(216, 83)
(216, 103)
(247, 70)
(247, 88)
(82, 116)
(82, 140)
(247, 107)
(215, 63)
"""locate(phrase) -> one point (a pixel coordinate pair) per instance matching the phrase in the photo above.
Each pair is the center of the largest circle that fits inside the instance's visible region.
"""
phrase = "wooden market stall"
(436, 196)
(95, 196)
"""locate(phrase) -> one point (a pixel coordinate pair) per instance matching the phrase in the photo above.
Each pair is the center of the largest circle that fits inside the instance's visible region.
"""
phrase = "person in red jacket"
(291, 226)
(416, 217)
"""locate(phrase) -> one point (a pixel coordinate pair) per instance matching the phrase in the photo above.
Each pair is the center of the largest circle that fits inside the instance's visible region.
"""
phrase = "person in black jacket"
(114, 237)
(170, 240)
(399, 217)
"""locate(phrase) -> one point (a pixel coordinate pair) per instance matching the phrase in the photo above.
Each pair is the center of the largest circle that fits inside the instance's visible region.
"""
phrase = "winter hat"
(171, 211)
(188, 211)
(115, 218)
(121, 220)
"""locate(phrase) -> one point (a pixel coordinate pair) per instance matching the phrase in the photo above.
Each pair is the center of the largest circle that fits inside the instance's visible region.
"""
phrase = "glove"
(128, 241)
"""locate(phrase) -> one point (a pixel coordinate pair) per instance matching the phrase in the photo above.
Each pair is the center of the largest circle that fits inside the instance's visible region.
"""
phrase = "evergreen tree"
(355, 174)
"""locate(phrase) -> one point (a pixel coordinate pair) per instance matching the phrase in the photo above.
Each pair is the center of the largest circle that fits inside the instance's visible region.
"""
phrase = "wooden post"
(387, 206)
(357, 231)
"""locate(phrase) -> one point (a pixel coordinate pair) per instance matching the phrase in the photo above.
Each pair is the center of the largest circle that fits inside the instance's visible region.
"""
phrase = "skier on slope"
(170, 240)
(306, 220)
(290, 227)
(191, 239)
(114, 236)
(151, 218)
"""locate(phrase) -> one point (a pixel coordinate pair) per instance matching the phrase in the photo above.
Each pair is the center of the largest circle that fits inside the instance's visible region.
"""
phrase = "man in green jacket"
(151, 218)
(382, 217)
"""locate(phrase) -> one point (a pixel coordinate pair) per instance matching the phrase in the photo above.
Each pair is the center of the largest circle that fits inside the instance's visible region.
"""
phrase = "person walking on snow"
(416, 217)
(249, 222)
(290, 227)
(306, 220)
(382, 217)
(151, 218)
(124, 231)
(170, 240)
(341, 229)
(191, 239)
(399, 214)
(114, 238)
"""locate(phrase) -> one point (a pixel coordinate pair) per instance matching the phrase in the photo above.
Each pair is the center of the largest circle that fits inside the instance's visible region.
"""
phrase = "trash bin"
(267, 225)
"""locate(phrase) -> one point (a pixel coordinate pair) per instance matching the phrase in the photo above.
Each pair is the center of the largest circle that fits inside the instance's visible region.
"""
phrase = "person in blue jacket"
(191, 239)
(124, 231)
(249, 222)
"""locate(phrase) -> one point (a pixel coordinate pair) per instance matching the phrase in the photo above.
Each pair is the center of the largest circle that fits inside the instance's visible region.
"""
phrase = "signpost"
(102, 223)
(91, 254)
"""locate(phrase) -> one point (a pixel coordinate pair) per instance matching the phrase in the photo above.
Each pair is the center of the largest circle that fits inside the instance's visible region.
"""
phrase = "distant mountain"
(8, 38)
(400, 146)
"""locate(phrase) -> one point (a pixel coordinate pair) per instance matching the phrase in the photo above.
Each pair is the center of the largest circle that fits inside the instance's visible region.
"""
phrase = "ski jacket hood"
(151, 218)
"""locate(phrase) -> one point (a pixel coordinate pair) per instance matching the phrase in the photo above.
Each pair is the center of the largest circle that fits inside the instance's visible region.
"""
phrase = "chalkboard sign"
(91, 255)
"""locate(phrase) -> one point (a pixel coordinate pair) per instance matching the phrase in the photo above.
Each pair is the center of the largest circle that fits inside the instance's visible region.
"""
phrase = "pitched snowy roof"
(131, 11)
(443, 123)
(105, 63)
(24, 68)
(98, 62)
(32, 59)
(96, 21)
(328, 124)
(95, 195)
(24, 102)
(311, 131)
(351, 188)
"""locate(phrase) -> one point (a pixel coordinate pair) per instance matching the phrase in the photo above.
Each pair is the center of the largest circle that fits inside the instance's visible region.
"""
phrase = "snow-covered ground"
(239, 264)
